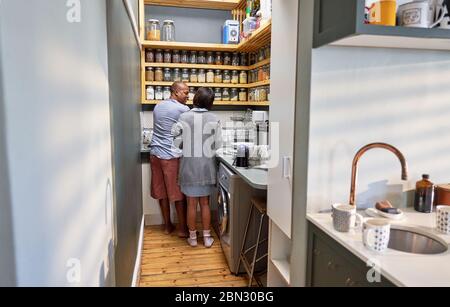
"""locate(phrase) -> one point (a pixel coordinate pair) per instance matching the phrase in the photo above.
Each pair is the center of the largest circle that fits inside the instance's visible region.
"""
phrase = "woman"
(201, 135)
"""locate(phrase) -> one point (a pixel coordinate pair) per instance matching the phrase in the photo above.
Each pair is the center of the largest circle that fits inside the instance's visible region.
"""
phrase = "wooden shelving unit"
(189, 46)
(196, 66)
(220, 103)
(258, 39)
(190, 84)
(227, 5)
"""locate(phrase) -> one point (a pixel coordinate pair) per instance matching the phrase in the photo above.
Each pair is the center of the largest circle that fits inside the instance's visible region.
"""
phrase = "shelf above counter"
(199, 4)
(208, 66)
(227, 85)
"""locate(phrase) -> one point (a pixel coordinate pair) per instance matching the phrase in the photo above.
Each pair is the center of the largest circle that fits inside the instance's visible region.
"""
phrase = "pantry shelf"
(259, 64)
(196, 66)
(229, 85)
(257, 84)
(258, 39)
(189, 46)
(220, 103)
(202, 4)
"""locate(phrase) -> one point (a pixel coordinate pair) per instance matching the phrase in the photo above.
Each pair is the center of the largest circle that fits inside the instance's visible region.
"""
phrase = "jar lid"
(168, 21)
(153, 20)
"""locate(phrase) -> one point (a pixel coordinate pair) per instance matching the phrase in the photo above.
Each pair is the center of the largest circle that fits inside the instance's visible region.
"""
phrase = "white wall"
(364, 95)
(58, 139)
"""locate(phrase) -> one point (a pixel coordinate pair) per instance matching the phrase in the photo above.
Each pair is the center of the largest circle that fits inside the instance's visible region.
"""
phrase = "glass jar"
(251, 96)
(149, 56)
(267, 52)
(252, 58)
(260, 74)
(256, 94)
(267, 72)
(159, 93)
(261, 53)
(159, 76)
(150, 93)
(185, 75)
(226, 77)
(226, 58)
(166, 93)
(235, 77)
(193, 77)
(243, 95)
(201, 59)
(217, 94)
(210, 60)
(167, 56)
(218, 76)
(168, 31)
(243, 59)
(159, 56)
(176, 75)
(193, 57)
(176, 58)
(201, 76)
(191, 93)
(243, 77)
(167, 75)
(250, 76)
(235, 59)
(184, 57)
(219, 58)
(263, 94)
(226, 94)
(234, 96)
(210, 76)
(153, 30)
(149, 74)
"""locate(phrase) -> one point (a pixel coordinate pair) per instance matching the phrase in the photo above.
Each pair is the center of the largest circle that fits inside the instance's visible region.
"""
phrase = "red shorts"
(165, 179)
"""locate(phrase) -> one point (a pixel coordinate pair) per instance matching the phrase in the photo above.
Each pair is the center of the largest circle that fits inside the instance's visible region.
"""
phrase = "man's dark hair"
(204, 98)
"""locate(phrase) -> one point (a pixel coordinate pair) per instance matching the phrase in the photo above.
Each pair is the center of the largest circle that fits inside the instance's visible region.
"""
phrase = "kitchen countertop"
(402, 269)
(257, 178)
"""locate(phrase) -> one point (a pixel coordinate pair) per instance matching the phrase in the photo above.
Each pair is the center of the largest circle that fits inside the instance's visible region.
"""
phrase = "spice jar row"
(195, 57)
(221, 94)
(260, 74)
(195, 75)
(261, 55)
(259, 94)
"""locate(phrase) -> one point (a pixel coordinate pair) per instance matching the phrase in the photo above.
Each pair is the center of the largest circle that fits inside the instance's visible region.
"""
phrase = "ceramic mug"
(443, 219)
(383, 12)
(345, 217)
(376, 233)
(445, 7)
(420, 14)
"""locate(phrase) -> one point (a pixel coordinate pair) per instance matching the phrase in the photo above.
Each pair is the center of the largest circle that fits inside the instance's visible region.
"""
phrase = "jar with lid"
(193, 57)
(243, 94)
(256, 94)
(226, 77)
(159, 56)
(226, 58)
(210, 58)
(267, 72)
(252, 58)
(261, 55)
(168, 31)
(267, 52)
(424, 195)
(191, 93)
(234, 96)
(210, 76)
(219, 58)
(159, 76)
(263, 94)
(235, 77)
(167, 75)
(218, 76)
(149, 56)
(166, 93)
(226, 94)
(193, 77)
(185, 75)
(176, 58)
(243, 59)
(260, 74)
(251, 95)
(184, 57)
(218, 94)
(159, 93)
(201, 76)
(176, 75)
(167, 56)
(150, 93)
(201, 59)
(235, 59)
(149, 74)
(153, 30)
(243, 77)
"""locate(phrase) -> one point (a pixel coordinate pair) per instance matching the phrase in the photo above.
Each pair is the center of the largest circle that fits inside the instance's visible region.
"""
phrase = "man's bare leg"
(165, 210)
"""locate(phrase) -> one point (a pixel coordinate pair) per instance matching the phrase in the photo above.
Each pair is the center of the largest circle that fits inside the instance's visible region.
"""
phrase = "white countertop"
(402, 269)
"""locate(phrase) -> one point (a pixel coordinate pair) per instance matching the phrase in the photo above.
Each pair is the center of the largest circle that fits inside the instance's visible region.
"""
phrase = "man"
(165, 158)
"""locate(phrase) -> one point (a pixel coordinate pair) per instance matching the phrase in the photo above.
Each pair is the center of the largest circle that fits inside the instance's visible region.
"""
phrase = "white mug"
(376, 233)
(443, 219)
(422, 14)
(345, 217)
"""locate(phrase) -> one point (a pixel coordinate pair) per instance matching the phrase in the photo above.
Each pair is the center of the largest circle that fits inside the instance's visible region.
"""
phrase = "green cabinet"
(331, 265)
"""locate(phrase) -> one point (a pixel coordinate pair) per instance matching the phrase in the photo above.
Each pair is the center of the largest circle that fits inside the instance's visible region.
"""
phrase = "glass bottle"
(159, 76)
(218, 76)
(243, 94)
(166, 93)
(159, 93)
(210, 76)
(149, 56)
(159, 56)
(424, 196)
(219, 58)
(149, 74)
(153, 30)
(226, 58)
(226, 94)
(243, 77)
(168, 31)
(193, 77)
(176, 58)
(176, 75)
(235, 59)
(167, 75)
(201, 59)
(260, 74)
(243, 59)
(167, 56)
(267, 52)
(226, 77)
(184, 57)
(235, 77)
(193, 57)
(150, 93)
(218, 94)
(185, 75)
(201, 76)
(261, 55)
(234, 96)
(210, 60)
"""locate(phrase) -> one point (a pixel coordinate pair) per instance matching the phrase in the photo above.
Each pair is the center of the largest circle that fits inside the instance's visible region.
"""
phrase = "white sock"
(192, 238)
(207, 238)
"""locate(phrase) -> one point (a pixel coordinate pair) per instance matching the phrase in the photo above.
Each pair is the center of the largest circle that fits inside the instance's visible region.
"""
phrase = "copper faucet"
(362, 151)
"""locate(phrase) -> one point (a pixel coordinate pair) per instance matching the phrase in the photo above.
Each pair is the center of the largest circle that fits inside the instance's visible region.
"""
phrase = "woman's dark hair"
(204, 98)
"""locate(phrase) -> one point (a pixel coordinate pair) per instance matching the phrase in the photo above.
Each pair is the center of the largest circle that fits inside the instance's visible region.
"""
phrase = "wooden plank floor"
(167, 261)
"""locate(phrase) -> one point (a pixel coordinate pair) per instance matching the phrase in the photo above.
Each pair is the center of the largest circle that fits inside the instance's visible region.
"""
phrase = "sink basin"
(415, 241)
